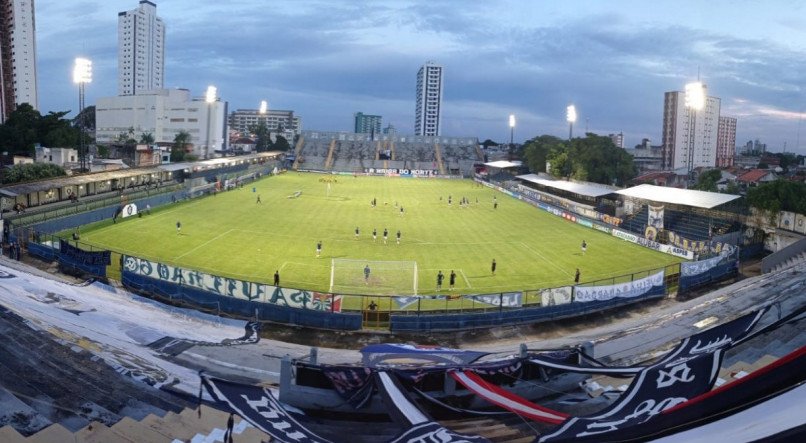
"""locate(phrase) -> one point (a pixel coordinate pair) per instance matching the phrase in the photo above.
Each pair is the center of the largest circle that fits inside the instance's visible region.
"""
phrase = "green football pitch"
(232, 235)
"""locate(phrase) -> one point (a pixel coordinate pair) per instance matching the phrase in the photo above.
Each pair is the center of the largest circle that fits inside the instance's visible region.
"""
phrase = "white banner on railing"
(555, 296)
(631, 289)
(229, 287)
(668, 249)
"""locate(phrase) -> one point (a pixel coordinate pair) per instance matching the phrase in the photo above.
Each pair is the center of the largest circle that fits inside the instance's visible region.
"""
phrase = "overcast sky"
(329, 59)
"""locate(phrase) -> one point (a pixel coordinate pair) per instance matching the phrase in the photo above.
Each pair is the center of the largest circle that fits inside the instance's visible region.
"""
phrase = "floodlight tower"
(695, 101)
(511, 130)
(571, 117)
(82, 74)
(210, 98)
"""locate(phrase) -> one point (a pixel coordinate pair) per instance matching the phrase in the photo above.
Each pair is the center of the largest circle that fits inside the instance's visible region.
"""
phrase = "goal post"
(381, 277)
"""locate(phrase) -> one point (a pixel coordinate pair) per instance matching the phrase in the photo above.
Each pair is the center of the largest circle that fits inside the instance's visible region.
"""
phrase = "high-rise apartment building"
(689, 137)
(141, 50)
(367, 124)
(429, 100)
(726, 142)
(17, 56)
(286, 123)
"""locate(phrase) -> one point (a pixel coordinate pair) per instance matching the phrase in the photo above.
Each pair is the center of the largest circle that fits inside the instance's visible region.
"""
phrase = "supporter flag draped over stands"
(684, 373)
(258, 406)
(511, 402)
(419, 427)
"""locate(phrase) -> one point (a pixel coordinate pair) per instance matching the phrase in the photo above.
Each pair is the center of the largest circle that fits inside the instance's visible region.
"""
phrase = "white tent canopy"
(686, 197)
(586, 189)
(503, 164)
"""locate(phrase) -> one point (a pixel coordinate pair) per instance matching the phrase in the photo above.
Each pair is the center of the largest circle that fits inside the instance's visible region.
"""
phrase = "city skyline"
(327, 60)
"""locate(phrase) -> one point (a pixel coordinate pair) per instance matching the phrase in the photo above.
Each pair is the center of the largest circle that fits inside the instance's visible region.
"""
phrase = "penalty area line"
(546, 259)
(466, 280)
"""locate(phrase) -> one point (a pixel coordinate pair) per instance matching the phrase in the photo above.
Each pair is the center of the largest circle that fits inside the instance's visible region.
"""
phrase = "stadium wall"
(446, 322)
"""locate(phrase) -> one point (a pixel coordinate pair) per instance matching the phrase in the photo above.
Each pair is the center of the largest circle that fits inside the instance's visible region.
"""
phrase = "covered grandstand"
(381, 153)
(696, 221)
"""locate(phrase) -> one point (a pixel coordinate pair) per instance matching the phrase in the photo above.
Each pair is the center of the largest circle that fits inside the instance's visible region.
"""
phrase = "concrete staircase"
(298, 152)
(493, 430)
(330, 151)
(186, 426)
(796, 260)
(440, 164)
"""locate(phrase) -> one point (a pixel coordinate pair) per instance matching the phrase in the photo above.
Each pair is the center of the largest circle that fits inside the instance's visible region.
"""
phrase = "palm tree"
(147, 138)
(180, 144)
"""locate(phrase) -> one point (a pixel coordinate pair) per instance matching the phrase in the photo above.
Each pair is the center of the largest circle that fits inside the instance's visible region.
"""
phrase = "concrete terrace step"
(97, 432)
(10, 435)
(53, 433)
(137, 431)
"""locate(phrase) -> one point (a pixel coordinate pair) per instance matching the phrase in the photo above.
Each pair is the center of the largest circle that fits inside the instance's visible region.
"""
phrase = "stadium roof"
(586, 189)
(686, 197)
(503, 164)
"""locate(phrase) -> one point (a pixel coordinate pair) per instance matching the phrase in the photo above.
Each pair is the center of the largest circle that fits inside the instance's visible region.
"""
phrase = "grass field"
(231, 235)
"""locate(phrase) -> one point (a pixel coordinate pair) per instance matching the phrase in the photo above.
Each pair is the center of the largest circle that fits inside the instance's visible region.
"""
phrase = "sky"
(327, 60)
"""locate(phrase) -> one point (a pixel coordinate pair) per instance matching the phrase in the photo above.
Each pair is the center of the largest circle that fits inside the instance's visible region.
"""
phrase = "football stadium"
(298, 282)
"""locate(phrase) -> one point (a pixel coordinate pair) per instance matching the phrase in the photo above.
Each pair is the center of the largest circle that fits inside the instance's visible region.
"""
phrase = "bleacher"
(345, 152)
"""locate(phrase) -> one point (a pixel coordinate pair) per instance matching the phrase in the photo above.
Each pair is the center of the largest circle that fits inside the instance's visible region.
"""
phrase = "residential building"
(286, 123)
(57, 156)
(141, 50)
(646, 157)
(726, 142)
(367, 124)
(618, 139)
(755, 177)
(689, 137)
(163, 113)
(427, 117)
(390, 129)
(17, 56)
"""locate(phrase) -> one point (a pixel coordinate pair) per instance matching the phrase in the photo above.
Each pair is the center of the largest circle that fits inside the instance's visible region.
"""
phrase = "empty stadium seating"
(343, 152)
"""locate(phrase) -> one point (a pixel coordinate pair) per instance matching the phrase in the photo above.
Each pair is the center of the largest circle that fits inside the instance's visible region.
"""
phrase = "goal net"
(381, 277)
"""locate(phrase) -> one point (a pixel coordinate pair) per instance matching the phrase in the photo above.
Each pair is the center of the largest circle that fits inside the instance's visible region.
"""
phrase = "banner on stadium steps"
(506, 299)
(702, 246)
(257, 405)
(86, 257)
(689, 370)
(230, 287)
(635, 288)
(401, 171)
(373, 355)
(668, 249)
(655, 218)
(556, 296)
(688, 269)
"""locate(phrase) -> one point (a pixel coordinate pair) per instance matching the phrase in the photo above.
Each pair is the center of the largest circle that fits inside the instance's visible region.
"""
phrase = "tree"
(23, 124)
(780, 195)
(147, 138)
(179, 149)
(281, 144)
(707, 180)
(32, 171)
(536, 151)
(262, 137)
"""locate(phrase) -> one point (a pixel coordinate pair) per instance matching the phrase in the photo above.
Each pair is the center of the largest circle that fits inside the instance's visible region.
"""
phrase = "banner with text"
(668, 249)
(229, 287)
(636, 288)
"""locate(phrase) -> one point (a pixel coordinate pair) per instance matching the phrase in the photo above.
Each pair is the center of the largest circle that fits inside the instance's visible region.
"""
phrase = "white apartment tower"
(17, 56)
(429, 100)
(141, 50)
(689, 137)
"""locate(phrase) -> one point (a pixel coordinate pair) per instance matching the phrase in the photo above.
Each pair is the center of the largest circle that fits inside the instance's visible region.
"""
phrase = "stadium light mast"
(511, 130)
(82, 74)
(209, 98)
(694, 101)
(571, 117)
